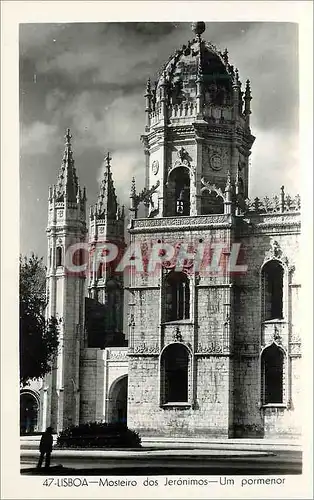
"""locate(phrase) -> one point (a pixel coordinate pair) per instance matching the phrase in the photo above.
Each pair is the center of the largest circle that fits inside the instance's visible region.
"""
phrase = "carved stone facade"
(221, 338)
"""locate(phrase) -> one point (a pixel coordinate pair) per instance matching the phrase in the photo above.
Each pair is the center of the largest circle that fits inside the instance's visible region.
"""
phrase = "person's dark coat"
(46, 442)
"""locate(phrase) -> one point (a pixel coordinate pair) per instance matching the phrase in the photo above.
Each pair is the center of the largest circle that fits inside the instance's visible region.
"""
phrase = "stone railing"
(184, 110)
(217, 114)
(276, 204)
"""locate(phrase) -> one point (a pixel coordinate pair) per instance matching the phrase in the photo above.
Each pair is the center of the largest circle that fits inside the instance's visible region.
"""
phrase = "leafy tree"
(38, 336)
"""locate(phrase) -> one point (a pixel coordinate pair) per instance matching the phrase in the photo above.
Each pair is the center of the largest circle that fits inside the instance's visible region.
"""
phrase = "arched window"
(272, 281)
(59, 256)
(178, 192)
(175, 374)
(100, 270)
(272, 374)
(177, 296)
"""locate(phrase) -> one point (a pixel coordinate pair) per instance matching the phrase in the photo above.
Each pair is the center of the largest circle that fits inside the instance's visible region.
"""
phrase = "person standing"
(45, 448)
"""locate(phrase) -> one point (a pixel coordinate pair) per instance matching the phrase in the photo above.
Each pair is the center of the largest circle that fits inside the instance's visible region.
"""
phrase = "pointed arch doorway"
(118, 399)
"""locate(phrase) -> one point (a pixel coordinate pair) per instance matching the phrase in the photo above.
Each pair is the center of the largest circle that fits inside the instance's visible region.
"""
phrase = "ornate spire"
(133, 188)
(228, 187)
(67, 184)
(148, 99)
(148, 88)
(247, 98)
(225, 57)
(107, 200)
(237, 80)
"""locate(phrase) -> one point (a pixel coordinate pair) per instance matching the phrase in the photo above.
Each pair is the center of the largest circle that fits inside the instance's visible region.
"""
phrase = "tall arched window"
(177, 296)
(272, 282)
(178, 192)
(50, 258)
(272, 374)
(59, 256)
(100, 270)
(175, 374)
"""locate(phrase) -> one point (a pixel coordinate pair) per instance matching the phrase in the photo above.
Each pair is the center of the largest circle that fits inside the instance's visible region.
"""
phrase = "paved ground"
(172, 457)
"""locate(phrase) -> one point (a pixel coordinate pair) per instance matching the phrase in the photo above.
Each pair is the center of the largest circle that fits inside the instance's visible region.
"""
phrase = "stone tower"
(214, 332)
(197, 131)
(66, 291)
(106, 238)
(197, 144)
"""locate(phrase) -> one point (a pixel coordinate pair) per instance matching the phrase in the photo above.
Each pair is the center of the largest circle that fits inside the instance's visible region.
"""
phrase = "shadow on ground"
(60, 470)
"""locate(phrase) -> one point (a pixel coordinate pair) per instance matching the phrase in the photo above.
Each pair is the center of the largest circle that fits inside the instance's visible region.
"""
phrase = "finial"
(148, 86)
(225, 57)
(237, 76)
(84, 194)
(228, 183)
(68, 137)
(133, 188)
(198, 28)
(199, 70)
(248, 90)
(282, 198)
(108, 159)
(247, 98)
(162, 81)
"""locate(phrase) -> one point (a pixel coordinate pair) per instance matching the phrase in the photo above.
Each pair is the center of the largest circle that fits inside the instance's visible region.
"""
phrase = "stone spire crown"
(107, 200)
(67, 184)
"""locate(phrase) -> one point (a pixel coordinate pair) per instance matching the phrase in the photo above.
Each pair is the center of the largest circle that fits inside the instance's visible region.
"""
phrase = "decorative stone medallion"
(215, 162)
(155, 167)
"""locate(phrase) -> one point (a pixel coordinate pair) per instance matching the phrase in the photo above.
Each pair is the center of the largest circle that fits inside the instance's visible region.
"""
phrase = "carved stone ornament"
(183, 159)
(143, 348)
(131, 322)
(117, 355)
(155, 167)
(177, 336)
(215, 162)
(211, 188)
(218, 157)
(275, 252)
(212, 347)
(145, 196)
(276, 336)
(275, 249)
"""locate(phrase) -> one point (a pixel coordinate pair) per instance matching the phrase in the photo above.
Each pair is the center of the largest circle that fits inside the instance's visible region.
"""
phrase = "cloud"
(112, 123)
(38, 138)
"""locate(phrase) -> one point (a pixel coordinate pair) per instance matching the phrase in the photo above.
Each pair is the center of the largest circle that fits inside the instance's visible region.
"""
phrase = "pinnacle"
(107, 200)
(67, 184)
